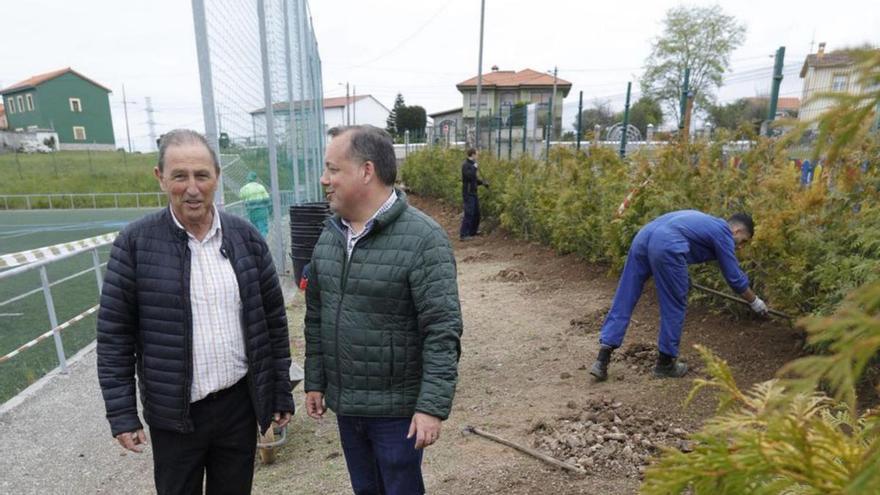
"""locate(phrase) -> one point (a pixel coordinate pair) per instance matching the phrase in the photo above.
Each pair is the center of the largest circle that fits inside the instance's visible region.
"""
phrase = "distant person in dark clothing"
(469, 182)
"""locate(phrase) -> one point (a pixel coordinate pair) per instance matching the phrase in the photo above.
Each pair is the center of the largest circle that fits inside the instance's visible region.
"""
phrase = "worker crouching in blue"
(663, 249)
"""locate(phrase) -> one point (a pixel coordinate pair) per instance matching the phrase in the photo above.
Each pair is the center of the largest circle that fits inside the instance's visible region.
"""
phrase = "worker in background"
(257, 203)
(663, 249)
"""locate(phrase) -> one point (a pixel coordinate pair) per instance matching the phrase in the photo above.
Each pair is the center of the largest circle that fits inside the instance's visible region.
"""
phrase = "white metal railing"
(81, 200)
(70, 249)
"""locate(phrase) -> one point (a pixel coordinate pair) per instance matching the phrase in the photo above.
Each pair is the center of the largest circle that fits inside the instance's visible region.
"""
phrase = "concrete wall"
(10, 140)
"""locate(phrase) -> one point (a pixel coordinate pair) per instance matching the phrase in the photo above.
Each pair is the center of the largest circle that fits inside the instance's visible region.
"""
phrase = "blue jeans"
(380, 459)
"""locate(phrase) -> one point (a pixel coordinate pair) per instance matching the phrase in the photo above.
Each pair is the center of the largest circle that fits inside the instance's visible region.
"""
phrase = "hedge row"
(812, 244)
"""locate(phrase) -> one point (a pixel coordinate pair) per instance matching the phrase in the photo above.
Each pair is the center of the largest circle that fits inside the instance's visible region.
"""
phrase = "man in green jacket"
(383, 319)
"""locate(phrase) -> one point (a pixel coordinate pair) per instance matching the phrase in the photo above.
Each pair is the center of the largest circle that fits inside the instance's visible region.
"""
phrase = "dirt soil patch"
(531, 321)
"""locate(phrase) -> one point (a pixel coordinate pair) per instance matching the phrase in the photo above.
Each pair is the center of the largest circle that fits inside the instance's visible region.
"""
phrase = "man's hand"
(315, 405)
(133, 440)
(282, 418)
(485, 183)
(758, 306)
(426, 429)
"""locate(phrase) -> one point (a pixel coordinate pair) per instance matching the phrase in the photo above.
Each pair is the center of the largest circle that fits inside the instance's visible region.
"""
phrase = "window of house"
(484, 100)
(839, 82)
(540, 96)
(10, 105)
(79, 133)
(508, 98)
(20, 103)
(30, 102)
(75, 105)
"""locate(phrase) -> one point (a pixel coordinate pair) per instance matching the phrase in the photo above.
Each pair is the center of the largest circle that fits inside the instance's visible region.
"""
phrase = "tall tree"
(744, 110)
(412, 119)
(391, 121)
(701, 38)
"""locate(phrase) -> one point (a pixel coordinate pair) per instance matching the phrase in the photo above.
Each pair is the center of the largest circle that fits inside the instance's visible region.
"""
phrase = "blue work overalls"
(664, 248)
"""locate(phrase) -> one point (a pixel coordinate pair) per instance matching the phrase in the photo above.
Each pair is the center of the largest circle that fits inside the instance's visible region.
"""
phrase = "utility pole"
(774, 91)
(125, 110)
(150, 121)
(347, 108)
(480, 72)
(550, 120)
(625, 121)
(354, 108)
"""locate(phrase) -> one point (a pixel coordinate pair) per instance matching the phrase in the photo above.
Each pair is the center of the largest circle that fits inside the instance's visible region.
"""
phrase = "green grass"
(27, 318)
(77, 172)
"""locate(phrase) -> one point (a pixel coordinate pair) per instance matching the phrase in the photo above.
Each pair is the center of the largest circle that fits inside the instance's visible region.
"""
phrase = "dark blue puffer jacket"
(145, 324)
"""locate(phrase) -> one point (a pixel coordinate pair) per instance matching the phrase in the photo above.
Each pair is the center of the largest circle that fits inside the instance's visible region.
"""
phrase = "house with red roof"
(74, 106)
(502, 89)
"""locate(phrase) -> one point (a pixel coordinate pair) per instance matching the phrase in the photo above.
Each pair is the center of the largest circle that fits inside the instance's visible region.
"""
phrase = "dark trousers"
(220, 450)
(380, 459)
(470, 222)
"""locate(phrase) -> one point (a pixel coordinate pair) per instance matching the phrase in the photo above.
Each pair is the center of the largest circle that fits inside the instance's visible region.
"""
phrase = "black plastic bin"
(306, 224)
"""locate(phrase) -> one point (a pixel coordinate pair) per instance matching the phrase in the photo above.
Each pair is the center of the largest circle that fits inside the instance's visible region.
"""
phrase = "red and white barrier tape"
(24, 257)
(48, 334)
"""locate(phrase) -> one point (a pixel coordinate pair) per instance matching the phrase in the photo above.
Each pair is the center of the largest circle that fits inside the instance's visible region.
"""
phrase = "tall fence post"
(96, 262)
(280, 258)
(203, 55)
(53, 319)
(498, 140)
(580, 119)
(291, 112)
(510, 134)
(625, 121)
(684, 96)
(774, 91)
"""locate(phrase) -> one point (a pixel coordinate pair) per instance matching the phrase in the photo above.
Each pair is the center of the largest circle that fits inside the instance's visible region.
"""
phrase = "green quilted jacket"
(383, 327)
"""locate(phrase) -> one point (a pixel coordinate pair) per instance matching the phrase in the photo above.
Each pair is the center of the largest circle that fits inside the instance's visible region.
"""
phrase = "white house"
(360, 109)
(341, 110)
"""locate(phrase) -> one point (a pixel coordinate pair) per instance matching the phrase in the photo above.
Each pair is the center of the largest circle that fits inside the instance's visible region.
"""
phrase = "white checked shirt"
(218, 353)
(353, 238)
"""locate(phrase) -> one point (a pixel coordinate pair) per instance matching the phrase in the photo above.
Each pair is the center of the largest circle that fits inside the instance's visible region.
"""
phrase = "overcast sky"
(420, 49)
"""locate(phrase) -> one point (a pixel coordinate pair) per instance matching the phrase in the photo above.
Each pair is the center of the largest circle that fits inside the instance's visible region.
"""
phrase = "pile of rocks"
(606, 435)
(509, 275)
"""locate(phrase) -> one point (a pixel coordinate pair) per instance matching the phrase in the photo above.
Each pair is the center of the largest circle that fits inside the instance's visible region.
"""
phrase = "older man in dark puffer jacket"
(191, 304)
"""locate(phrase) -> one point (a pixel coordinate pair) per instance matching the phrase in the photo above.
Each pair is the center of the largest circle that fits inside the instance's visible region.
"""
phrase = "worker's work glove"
(758, 306)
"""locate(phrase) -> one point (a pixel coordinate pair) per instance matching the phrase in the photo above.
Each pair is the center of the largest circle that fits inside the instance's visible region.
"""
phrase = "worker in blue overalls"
(663, 249)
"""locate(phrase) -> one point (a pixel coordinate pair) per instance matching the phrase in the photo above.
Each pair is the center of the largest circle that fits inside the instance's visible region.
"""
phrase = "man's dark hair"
(471, 152)
(745, 220)
(180, 137)
(369, 143)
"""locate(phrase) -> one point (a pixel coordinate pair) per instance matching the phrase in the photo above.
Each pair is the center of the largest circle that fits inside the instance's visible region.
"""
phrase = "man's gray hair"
(369, 143)
(180, 137)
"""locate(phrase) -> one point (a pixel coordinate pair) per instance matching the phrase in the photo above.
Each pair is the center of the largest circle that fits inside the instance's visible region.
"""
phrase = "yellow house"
(826, 72)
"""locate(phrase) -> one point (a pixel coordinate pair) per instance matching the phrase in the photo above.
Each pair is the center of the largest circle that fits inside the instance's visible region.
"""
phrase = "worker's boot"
(669, 367)
(600, 367)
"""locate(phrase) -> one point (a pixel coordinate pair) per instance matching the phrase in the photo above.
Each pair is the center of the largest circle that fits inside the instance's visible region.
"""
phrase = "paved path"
(58, 442)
